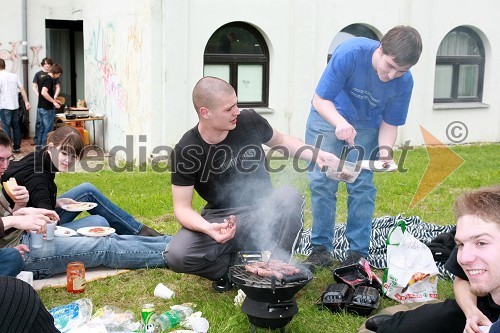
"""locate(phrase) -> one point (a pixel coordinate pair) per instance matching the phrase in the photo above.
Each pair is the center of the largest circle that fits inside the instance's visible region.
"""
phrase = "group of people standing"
(46, 87)
(359, 102)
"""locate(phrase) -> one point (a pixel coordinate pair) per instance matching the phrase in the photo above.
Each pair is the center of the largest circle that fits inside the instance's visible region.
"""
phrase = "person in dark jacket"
(22, 310)
(37, 171)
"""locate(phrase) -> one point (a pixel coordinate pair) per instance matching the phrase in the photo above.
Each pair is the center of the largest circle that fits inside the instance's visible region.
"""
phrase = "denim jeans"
(11, 118)
(104, 214)
(361, 193)
(11, 263)
(114, 251)
(46, 125)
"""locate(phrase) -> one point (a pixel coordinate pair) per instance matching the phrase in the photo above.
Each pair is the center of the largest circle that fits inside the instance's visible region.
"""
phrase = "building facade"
(136, 62)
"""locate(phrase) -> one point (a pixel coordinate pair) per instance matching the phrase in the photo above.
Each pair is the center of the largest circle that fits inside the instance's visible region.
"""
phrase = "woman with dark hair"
(36, 171)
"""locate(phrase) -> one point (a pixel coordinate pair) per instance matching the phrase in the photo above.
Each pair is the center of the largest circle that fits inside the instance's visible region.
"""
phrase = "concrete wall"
(142, 58)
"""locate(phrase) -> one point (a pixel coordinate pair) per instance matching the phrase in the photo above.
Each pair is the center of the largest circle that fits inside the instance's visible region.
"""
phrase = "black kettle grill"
(269, 301)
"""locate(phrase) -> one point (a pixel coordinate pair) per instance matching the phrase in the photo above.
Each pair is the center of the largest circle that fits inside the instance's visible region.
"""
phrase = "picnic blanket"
(91, 274)
(425, 232)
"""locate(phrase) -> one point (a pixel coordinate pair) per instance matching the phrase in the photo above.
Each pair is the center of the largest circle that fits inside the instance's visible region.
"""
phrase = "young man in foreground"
(474, 262)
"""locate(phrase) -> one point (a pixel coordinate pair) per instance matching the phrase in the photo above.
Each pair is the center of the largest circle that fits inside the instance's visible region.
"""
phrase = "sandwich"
(8, 186)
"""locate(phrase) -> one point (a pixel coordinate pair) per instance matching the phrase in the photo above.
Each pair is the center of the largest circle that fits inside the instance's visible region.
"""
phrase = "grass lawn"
(147, 196)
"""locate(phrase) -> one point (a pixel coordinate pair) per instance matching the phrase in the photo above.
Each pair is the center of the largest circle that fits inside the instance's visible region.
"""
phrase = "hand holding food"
(18, 194)
(222, 232)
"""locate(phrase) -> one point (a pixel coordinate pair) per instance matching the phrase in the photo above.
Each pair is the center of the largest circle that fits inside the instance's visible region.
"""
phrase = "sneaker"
(319, 258)
(352, 258)
(222, 285)
(16, 151)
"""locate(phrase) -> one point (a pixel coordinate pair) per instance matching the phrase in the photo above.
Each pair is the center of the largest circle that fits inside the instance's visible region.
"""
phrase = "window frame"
(456, 62)
(234, 59)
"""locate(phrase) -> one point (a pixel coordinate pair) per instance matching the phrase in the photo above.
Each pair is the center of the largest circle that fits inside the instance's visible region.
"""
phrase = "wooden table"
(93, 119)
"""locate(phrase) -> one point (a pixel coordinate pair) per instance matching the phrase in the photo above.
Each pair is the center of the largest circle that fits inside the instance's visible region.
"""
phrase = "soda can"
(147, 312)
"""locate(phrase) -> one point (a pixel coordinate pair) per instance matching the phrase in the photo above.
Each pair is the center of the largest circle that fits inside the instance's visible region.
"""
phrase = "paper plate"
(64, 232)
(79, 207)
(377, 166)
(96, 231)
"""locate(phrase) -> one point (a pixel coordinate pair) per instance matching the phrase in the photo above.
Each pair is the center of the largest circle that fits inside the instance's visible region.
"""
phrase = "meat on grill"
(271, 268)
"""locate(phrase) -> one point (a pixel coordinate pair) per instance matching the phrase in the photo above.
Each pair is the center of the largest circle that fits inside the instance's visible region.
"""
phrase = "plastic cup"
(200, 325)
(163, 291)
(36, 240)
(51, 228)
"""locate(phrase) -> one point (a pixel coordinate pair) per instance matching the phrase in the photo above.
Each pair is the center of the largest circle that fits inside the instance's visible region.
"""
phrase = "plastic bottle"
(173, 317)
(74, 314)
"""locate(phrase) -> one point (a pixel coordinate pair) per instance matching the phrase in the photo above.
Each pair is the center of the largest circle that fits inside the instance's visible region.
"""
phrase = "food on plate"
(80, 205)
(274, 268)
(98, 230)
(8, 186)
(386, 164)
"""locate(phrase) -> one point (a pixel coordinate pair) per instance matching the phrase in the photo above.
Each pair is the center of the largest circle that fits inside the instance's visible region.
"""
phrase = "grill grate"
(240, 275)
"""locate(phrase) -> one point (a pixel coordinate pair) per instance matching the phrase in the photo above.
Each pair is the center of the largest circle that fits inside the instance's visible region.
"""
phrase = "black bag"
(23, 116)
(442, 245)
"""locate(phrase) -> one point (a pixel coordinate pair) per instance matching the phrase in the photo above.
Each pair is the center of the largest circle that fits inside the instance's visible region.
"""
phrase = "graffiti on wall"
(35, 61)
(113, 84)
(13, 58)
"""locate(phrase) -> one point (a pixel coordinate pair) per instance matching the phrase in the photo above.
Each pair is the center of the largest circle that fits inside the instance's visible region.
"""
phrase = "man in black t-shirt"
(46, 64)
(222, 159)
(475, 264)
(47, 103)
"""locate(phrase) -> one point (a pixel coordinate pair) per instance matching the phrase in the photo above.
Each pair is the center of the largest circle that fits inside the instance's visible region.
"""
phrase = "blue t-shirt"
(352, 84)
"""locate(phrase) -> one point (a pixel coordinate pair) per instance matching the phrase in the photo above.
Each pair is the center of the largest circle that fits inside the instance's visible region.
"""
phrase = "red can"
(75, 277)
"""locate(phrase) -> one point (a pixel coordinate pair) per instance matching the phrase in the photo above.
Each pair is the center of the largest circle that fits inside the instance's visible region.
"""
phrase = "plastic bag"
(114, 319)
(411, 274)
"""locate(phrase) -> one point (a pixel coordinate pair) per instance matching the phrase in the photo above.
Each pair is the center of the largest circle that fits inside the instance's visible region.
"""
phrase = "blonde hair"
(483, 203)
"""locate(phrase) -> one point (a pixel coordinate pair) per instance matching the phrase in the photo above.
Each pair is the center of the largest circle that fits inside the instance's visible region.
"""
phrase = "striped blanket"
(425, 232)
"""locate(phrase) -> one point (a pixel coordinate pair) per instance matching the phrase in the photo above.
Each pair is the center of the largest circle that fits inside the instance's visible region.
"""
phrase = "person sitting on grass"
(475, 264)
(114, 251)
(37, 171)
(222, 158)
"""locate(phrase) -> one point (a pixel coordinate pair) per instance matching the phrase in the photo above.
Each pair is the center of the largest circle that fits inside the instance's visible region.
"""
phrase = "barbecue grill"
(269, 301)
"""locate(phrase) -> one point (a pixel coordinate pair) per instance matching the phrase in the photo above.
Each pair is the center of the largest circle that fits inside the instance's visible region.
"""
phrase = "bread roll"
(8, 185)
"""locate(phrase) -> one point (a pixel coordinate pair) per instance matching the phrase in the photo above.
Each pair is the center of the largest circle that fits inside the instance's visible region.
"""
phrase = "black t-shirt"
(40, 74)
(48, 82)
(36, 172)
(486, 304)
(230, 174)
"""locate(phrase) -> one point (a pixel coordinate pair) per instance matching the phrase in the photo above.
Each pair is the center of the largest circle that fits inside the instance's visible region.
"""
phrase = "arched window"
(459, 67)
(351, 31)
(237, 53)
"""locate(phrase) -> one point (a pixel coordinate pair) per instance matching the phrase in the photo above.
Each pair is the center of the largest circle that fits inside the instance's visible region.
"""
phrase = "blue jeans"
(106, 213)
(361, 193)
(12, 262)
(113, 251)
(11, 118)
(46, 125)
(38, 125)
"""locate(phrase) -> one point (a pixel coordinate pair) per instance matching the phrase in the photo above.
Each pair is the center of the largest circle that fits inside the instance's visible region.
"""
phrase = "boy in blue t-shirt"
(361, 99)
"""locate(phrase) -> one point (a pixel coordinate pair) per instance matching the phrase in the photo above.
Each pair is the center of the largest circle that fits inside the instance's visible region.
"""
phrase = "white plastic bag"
(411, 274)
